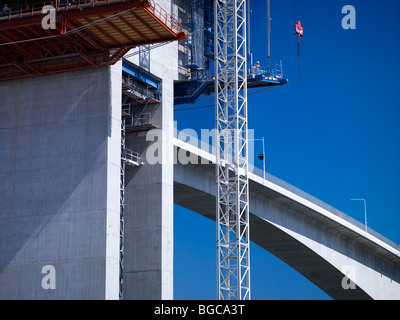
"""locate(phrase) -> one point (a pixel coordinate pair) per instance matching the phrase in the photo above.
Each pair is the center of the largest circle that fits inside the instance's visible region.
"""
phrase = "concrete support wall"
(59, 185)
(148, 259)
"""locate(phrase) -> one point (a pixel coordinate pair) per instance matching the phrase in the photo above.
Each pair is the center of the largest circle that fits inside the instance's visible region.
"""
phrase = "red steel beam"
(118, 55)
(94, 42)
(17, 46)
(53, 52)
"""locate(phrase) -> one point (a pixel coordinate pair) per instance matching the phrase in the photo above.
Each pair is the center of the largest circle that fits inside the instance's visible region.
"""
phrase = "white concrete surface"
(58, 179)
(148, 262)
(320, 245)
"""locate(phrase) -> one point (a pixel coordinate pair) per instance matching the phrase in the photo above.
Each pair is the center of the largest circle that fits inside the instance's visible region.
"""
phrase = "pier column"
(59, 185)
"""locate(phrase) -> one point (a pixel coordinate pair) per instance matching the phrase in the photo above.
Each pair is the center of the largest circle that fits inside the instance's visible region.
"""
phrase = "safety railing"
(131, 156)
(144, 91)
(165, 17)
(273, 71)
(187, 136)
(36, 8)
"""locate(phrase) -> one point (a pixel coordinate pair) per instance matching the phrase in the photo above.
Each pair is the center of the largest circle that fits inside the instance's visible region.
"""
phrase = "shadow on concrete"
(53, 137)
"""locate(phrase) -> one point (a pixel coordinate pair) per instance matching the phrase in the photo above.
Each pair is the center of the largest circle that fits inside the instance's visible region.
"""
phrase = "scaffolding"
(141, 98)
(128, 158)
(194, 40)
(198, 24)
(140, 104)
(209, 29)
(200, 50)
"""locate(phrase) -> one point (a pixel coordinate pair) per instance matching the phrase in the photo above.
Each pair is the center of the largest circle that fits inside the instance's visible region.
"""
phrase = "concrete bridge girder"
(323, 249)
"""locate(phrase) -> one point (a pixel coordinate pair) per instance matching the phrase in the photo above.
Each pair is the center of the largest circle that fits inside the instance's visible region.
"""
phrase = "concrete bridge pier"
(149, 197)
(148, 259)
(59, 185)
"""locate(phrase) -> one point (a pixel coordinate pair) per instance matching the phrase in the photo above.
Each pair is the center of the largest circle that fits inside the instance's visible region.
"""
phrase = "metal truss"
(233, 243)
(86, 34)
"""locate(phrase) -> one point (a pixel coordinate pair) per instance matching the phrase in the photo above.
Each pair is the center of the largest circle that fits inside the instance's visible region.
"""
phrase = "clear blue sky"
(333, 133)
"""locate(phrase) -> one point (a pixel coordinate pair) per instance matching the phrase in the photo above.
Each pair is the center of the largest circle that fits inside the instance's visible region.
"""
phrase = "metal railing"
(273, 71)
(144, 91)
(36, 8)
(165, 17)
(131, 156)
(193, 140)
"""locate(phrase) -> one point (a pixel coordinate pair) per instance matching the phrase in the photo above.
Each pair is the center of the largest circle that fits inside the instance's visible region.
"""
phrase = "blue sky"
(333, 132)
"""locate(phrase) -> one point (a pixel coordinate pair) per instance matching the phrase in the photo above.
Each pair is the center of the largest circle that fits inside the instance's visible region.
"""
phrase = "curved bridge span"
(321, 244)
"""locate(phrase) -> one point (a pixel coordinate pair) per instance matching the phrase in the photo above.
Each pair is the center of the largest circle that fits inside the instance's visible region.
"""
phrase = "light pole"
(263, 154)
(365, 211)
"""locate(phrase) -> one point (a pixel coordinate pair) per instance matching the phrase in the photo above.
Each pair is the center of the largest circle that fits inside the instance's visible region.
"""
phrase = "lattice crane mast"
(233, 243)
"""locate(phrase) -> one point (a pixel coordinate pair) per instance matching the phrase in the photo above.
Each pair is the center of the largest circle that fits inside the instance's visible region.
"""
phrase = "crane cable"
(298, 10)
(298, 55)
(269, 28)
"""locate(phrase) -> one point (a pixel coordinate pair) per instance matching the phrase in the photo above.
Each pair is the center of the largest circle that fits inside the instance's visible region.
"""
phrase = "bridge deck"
(311, 236)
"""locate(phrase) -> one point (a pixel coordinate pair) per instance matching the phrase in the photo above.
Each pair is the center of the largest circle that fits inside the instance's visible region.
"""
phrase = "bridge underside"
(277, 242)
(310, 243)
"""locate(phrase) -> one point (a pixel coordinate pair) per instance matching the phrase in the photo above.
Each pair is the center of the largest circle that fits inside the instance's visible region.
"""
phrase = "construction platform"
(141, 98)
(87, 33)
(189, 91)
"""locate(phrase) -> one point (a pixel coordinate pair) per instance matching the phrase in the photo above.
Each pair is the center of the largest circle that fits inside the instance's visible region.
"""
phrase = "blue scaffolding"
(141, 98)
(200, 45)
